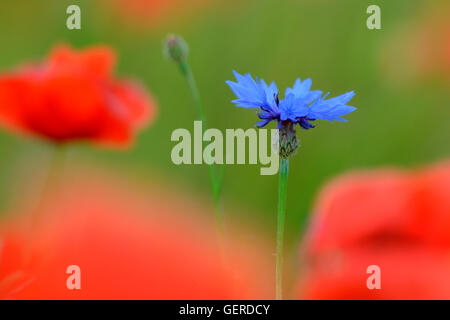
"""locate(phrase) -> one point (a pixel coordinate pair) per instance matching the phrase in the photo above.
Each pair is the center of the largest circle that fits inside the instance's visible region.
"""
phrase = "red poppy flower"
(421, 47)
(130, 243)
(73, 96)
(396, 220)
(145, 13)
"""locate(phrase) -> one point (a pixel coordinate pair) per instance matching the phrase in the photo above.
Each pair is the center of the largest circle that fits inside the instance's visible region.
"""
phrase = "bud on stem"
(175, 48)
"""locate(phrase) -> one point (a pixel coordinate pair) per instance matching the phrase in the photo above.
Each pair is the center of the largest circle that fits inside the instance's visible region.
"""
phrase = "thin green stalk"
(187, 72)
(282, 196)
(55, 167)
(216, 179)
(50, 183)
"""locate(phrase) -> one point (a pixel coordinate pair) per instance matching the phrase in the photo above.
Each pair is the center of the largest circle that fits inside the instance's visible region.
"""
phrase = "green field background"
(280, 40)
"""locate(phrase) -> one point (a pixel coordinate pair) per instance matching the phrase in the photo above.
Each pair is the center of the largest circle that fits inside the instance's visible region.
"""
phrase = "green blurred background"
(328, 41)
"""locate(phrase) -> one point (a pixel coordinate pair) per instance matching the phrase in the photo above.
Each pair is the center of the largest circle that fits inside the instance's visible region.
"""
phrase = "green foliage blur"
(326, 40)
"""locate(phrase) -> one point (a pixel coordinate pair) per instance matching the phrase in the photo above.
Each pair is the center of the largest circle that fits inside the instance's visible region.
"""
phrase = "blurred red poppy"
(73, 96)
(399, 221)
(145, 13)
(130, 243)
(420, 48)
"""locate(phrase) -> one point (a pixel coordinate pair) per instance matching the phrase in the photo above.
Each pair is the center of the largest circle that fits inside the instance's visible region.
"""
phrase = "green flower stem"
(56, 165)
(187, 72)
(53, 175)
(282, 195)
(216, 179)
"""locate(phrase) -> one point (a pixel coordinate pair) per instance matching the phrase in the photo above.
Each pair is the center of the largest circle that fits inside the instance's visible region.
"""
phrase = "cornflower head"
(300, 105)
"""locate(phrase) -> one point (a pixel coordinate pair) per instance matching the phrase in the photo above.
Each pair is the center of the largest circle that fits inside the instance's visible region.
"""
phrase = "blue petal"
(312, 96)
(305, 124)
(342, 99)
(331, 109)
(271, 93)
(253, 94)
(292, 108)
(263, 123)
(300, 89)
(302, 93)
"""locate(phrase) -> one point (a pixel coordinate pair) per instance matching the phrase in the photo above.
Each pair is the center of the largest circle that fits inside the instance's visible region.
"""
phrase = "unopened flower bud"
(175, 48)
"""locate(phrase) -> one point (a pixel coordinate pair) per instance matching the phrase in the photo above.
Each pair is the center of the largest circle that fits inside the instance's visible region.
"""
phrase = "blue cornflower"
(299, 106)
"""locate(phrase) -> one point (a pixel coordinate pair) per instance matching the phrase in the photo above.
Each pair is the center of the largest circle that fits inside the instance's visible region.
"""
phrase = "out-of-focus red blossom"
(420, 48)
(129, 244)
(73, 96)
(397, 220)
(148, 13)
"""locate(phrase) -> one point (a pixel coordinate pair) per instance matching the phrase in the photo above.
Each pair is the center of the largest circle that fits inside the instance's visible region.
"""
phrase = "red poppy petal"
(98, 61)
(406, 273)
(129, 108)
(132, 243)
(359, 205)
(432, 203)
(14, 93)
